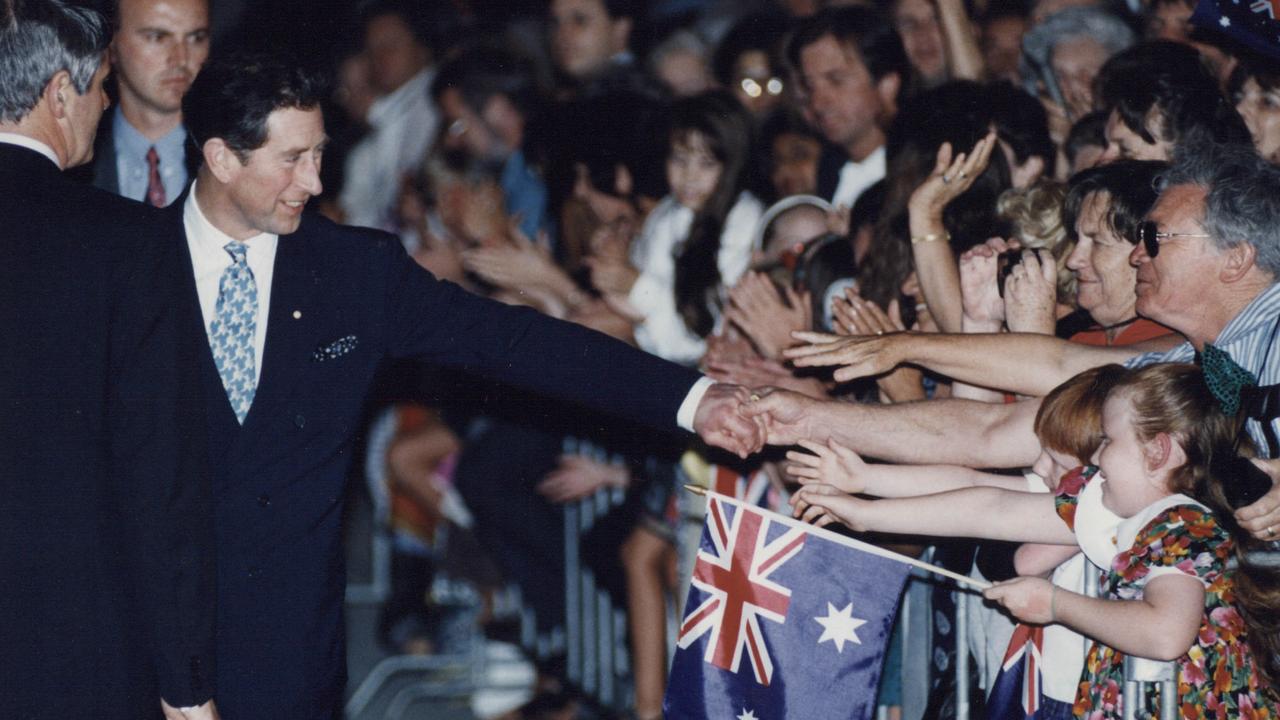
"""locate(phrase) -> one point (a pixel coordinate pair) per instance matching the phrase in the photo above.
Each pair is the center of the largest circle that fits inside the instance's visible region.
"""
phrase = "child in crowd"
(697, 241)
(1169, 592)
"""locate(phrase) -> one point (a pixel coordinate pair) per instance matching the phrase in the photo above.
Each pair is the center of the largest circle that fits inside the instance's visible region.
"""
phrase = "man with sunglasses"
(1215, 230)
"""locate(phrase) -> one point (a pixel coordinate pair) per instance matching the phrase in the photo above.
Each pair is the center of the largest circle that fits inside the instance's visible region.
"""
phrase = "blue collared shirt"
(131, 159)
(1250, 341)
(525, 194)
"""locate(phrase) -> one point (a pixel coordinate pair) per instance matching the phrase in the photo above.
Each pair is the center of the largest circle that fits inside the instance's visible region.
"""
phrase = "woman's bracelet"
(931, 237)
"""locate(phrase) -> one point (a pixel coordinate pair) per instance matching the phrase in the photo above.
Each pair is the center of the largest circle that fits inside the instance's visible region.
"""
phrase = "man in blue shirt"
(157, 49)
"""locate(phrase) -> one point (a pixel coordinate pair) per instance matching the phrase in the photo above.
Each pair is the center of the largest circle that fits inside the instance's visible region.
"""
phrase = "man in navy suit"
(107, 598)
(299, 312)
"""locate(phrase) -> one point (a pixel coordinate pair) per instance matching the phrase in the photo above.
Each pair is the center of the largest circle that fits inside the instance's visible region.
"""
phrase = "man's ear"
(887, 88)
(221, 160)
(620, 33)
(57, 92)
(1237, 261)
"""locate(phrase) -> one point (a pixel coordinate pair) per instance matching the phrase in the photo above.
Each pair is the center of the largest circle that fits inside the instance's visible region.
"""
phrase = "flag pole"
(963, 579)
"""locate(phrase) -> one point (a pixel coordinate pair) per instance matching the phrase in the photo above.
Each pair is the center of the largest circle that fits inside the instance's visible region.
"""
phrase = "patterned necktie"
(155, 188)
(1226, 379)
(232, 332)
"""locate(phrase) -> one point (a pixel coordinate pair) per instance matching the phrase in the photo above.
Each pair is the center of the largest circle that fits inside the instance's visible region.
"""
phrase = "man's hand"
(1263, 517)
(720, 421)
(206, 711)
(787, 416)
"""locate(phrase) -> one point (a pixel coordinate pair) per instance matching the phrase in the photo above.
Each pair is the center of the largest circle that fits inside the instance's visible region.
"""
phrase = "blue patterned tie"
(232, 331)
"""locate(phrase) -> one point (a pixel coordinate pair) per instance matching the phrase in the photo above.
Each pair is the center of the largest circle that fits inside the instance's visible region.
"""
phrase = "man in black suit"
(106, 603)
(141, 150)
(299, 313)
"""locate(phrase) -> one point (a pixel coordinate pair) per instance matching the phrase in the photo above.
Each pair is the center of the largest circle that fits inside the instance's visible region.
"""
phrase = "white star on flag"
(1224, 21)
(747, 715)
(839, 626)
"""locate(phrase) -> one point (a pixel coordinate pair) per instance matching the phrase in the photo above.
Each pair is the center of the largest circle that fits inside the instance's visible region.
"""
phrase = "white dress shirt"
(856, 177)
(402, 124)
(31, 144)
(209, 260)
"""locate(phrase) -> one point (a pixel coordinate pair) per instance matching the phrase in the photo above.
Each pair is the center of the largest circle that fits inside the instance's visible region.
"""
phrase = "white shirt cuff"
(689, 408)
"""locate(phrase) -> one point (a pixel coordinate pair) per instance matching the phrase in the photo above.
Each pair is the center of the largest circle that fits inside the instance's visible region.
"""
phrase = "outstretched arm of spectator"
(837, 465)
(935, 262)
(1026, 363)
(964, 58)
(952, 432)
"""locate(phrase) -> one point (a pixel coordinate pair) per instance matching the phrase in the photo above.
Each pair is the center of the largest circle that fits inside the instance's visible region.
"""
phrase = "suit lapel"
(295, 281)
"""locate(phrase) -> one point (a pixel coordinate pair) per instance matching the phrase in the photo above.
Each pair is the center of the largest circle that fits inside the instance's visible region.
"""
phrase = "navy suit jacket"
(106, 593)
(342, 300)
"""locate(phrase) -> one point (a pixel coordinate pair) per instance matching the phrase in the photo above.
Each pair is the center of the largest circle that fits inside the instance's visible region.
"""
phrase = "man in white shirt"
(158, 48)
(402, 121)
(299, 313)
(851, 65)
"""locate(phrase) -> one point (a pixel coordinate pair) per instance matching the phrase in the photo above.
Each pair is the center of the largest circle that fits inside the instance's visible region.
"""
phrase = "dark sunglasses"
(1148, 233)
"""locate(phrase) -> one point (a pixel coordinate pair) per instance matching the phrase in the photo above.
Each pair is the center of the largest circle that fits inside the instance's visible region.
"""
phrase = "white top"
(856, 177)
(662, 331)
(402, 124)
(209, 260)
(30, 144)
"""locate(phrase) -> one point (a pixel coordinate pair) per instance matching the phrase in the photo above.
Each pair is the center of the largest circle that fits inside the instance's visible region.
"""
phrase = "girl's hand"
(950, 178)
(832, 464)
(1028, 599)
(612, 274)
(764, 316)
(823, 504)
(979, 293)
(1031, 294)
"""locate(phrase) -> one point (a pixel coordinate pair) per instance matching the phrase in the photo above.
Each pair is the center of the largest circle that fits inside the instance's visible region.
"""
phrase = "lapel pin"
(297, 314)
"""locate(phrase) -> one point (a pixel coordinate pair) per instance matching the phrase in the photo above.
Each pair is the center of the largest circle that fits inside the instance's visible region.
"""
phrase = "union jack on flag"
(783, 620)
(1017, 692)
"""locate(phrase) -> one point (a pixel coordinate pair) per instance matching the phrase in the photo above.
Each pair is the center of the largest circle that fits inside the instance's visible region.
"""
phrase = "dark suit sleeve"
(443, 323)
(159, 468)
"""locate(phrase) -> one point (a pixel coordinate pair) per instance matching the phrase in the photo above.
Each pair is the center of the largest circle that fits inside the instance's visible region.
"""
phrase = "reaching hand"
(950, 178)
(518, 265)
(756, 308)
(578, 476)
(757, 372)
(979, 291)
(788, 417)
(832, 464)
(1031, 295)
(860, 356)
(855, 316)
(207, 711)
(1262, 518)
(720, 420)
(822, 505)
(1029, 599)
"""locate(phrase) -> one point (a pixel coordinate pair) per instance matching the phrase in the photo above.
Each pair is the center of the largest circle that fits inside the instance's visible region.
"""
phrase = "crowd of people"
(926, 270)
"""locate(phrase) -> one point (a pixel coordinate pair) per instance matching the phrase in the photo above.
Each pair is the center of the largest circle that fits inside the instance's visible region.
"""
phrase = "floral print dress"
(1216, 677)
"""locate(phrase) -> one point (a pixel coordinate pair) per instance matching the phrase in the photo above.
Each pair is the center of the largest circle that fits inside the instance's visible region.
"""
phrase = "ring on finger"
(945, 179)
(963, 174)
(1271, 532)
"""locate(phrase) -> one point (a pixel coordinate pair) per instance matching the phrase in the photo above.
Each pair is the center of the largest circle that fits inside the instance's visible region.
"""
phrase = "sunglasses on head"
(1148, 233)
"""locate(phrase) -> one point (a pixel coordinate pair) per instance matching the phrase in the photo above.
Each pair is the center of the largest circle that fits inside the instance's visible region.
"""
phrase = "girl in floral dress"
(1172, 591)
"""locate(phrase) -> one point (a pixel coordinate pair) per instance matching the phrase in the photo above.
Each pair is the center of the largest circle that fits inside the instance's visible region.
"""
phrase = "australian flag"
(1017, 693)
(783, 620)
(1253, 23)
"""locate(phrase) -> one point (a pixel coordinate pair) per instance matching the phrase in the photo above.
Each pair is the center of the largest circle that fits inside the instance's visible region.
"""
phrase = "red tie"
(155, 188)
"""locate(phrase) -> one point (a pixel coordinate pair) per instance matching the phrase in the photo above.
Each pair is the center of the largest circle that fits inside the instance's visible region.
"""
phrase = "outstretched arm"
(1026, 363)
(987, 513)
(1160, 626)
(954, 432)
(837, 465)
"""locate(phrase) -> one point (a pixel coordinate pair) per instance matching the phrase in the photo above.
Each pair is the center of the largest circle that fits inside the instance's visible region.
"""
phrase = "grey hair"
(39, 38)
(1069, 24)
(1242, 202)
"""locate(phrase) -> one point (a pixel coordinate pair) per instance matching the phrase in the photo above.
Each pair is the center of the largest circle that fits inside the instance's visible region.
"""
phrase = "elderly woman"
(1065, 52)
